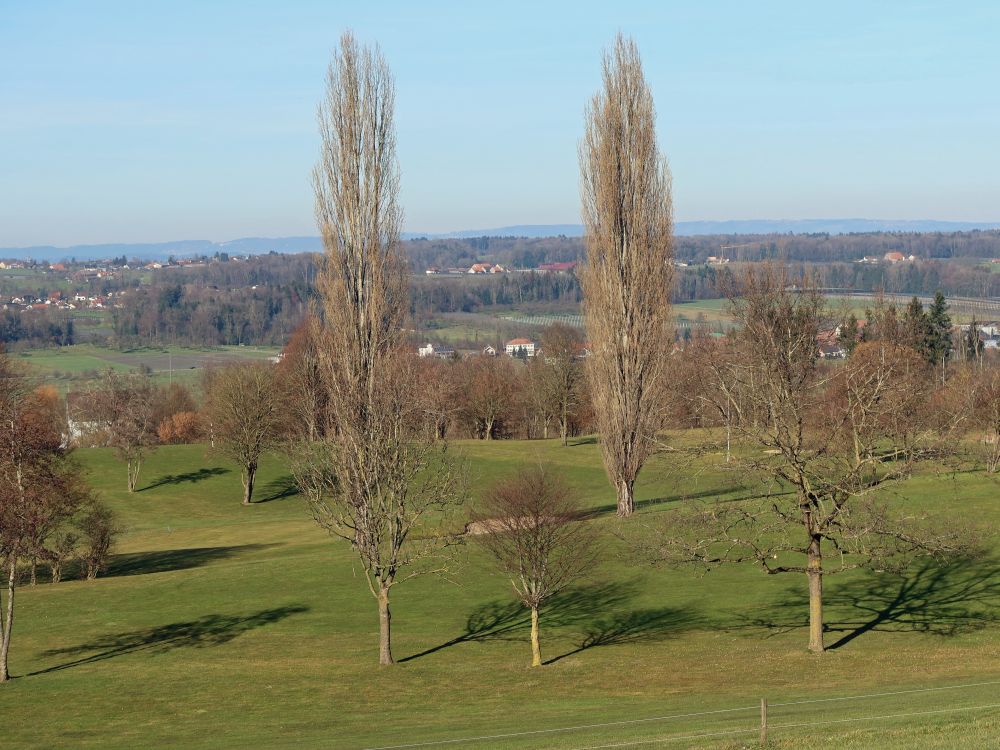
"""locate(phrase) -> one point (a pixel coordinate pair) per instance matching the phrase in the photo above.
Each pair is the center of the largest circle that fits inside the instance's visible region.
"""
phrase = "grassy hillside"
(223, 626)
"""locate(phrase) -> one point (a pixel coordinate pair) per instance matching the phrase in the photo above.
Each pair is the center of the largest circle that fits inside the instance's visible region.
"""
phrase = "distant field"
(685, 313)
(22, 273)
(72, 367)
(712, 313)
(220, 626)
(961, 311)
(18, 280)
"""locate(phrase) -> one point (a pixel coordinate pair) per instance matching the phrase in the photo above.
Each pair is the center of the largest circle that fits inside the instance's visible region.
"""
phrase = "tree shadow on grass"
(944, 599)
(580, 607)
(191, 476)
(278, 489)
(637, 626)
(207, 631)
(162, 561)
(715, 492)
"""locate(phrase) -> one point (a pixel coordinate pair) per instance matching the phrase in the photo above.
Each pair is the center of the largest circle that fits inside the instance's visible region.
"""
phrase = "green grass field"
(219, 626)
(75, 367)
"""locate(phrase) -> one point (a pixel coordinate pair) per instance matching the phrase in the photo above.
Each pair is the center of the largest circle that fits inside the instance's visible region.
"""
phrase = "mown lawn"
(224, 626)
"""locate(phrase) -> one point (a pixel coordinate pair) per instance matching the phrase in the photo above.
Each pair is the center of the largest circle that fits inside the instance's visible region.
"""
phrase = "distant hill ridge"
(258, 245)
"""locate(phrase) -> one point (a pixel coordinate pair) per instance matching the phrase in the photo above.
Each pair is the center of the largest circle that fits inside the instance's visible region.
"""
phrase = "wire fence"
(757, 722)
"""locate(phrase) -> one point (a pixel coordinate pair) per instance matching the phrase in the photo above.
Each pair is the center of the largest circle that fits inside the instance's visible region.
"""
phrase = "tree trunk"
(384, 628)
(815, 576)
(536, 650)
(249, 475)
(8, 619)
(489, 430)
(564, 424)
(133, 474)
(626, 501)
(34, 570)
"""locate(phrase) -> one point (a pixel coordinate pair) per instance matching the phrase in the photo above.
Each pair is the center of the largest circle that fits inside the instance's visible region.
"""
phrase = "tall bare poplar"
(627, 212)
(374, 480)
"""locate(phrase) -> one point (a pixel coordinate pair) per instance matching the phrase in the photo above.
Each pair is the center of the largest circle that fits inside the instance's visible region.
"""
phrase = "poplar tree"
(628, 276)
(374, 478)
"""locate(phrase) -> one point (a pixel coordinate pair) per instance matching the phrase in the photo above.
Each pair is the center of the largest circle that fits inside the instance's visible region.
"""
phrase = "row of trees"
(242, 415)
(192, 314)
(249, 408)
(36, 328)
(842, 249)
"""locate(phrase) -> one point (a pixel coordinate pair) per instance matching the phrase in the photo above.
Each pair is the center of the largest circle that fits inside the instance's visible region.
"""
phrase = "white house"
(435, 350)
(515, 346)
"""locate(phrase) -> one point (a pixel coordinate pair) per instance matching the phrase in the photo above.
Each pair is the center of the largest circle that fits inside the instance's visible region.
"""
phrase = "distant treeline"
(198, 315)
(828, 248)
(262, 299)
(437, 294)
(521, 252)
(190, 313)
(35, 328)
(258, 301)
(512, 252)
(272, 269)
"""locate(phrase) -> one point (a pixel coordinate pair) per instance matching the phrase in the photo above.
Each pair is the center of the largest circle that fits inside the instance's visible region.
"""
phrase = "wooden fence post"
(763, 722)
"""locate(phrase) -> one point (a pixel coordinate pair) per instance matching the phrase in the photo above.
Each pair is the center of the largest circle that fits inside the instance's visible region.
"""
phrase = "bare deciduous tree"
(833, 436)
(538, 406)
(439, 391)
(628, 276)
(301, 376)
(123, 404)
(376, 480)
(562, 346)
(986, 414)
(99, 530)
(245, 415)
(490, 392)
(531, 526)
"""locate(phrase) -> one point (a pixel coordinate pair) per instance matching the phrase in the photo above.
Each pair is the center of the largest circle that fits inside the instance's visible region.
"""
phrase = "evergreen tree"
(917, 333)
(939, 330)
(848, 336)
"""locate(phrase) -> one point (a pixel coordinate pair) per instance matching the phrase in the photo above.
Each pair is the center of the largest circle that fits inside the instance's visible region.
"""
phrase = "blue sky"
(131, 122)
